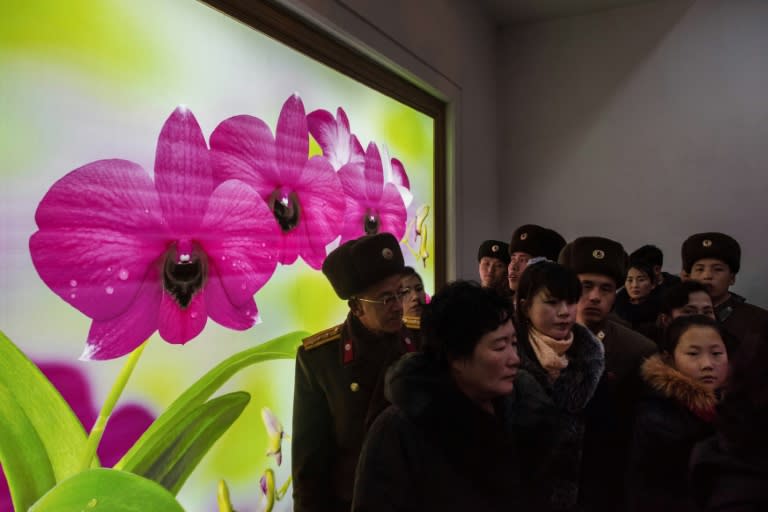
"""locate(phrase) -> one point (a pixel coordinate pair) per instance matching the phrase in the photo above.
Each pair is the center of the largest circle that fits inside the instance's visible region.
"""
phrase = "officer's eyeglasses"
(389, 299)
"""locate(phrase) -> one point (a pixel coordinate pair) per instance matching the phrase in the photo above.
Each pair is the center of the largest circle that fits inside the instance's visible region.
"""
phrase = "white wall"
(448, 47)
(644, 124)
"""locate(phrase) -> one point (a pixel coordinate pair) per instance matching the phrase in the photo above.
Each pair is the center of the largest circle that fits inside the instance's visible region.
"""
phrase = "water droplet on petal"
(123, 275)
(73, 296)
(109, 290)
(193, 314)
(109, 270)
(73, 283)
(223, 258)
(146, 210)
(243, 286)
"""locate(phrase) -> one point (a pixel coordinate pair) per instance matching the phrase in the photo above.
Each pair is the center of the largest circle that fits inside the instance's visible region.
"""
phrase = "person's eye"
(692, 354)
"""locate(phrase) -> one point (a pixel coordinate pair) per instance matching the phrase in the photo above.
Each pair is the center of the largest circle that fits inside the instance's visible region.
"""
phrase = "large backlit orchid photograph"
(172, 182)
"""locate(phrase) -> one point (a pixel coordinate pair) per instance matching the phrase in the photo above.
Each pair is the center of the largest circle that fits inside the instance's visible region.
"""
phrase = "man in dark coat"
(601, 265)
(714, 259)
(340, 372)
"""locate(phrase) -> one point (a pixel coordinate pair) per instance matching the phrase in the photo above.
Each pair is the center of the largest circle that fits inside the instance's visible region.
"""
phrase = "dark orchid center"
(285, 207)
(184, 274)
(371, 223)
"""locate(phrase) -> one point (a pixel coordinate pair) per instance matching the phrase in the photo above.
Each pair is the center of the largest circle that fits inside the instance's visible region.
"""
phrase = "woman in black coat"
(565, 363)
(445, 443)
(684, 383)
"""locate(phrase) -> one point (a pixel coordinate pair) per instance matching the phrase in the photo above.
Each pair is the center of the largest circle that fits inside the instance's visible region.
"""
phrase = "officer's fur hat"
(494, 249)
(711, 245)
(596, 255)
(355, 265)
(537, 241)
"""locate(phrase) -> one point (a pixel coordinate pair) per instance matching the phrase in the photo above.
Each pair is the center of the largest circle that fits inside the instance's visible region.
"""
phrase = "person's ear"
(733, 279)
(355, 307)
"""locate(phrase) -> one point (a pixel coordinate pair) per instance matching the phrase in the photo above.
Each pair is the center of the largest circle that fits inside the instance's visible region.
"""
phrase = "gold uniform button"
(601, 335)
(354, 387)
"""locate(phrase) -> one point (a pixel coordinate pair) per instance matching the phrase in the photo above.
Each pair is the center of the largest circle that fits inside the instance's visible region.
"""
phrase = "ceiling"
(513, 12)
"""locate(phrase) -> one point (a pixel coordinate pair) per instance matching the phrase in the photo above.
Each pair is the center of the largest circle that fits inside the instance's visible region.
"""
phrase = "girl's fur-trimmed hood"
(671, 383)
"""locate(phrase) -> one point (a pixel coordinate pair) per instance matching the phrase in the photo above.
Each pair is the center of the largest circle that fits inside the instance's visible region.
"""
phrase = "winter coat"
(677, 413)
(435, 449)
(338, 392)
(639, 316)
(610, 415)
(724, 481)
(745, 322)
(552, 450)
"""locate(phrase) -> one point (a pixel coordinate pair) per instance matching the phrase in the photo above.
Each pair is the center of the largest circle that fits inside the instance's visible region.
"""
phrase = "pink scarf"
(550, 352)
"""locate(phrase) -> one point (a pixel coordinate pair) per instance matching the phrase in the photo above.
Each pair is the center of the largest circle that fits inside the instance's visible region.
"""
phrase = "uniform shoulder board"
(412, 322)
(322, 337)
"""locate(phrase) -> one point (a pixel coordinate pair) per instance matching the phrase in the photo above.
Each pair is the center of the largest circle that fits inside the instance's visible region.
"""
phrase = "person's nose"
(707, 362)
(594, 296)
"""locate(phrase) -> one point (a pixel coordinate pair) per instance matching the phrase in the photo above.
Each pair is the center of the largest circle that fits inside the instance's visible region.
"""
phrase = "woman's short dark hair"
(649, 253)
(678, 295)
(560, 282)
(680, 326)
(410, 271)
(644, 266)
(458, 316)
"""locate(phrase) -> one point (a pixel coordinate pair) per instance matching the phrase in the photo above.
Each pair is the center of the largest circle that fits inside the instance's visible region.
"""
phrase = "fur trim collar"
(670, 383)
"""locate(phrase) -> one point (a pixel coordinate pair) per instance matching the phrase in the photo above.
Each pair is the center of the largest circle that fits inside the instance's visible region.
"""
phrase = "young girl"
(684, 384)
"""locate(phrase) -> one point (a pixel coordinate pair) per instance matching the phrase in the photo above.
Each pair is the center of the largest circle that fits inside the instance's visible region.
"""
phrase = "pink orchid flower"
(137, 255)
(125, 426)
(302, 194)
(342, 147)
(339, 145)
(373, 205)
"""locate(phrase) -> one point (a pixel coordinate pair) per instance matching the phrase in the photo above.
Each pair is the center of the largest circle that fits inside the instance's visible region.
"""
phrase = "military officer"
(531, 241)
(492, 261)
(601, 265)
(714, 259)
(340, 372)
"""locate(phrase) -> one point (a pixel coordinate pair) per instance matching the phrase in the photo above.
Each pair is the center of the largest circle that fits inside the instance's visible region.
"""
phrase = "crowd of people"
(572, 377)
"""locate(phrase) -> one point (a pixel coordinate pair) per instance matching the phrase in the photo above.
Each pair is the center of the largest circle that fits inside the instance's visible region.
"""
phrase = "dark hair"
(561, 282)
(678, 295)
(410, 271)
(680, 326)
(643, 266)
(649, 253)
(458, 316)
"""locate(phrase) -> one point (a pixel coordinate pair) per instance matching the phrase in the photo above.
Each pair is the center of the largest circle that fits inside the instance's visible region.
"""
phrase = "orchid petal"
(291, 139)
(239, 235)
(183, 174)
(74, 388)
(178, 325)
(223, 312)
(354, 221)
(392, 212)
(399, 176)
(271, 423)
(125, 426)
(116, 337)
(374, 173)
(243, 148)
(322, 207)
(99, 232)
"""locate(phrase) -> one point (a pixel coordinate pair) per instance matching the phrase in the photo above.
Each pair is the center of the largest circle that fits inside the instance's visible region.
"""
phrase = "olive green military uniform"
(610, 416)
(746, 322)
(339, 391)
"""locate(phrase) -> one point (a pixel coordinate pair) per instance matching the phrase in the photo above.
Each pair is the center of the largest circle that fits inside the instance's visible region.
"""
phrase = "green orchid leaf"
(152, 442)
(41, 439)
(187, 441)
(108, 490)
